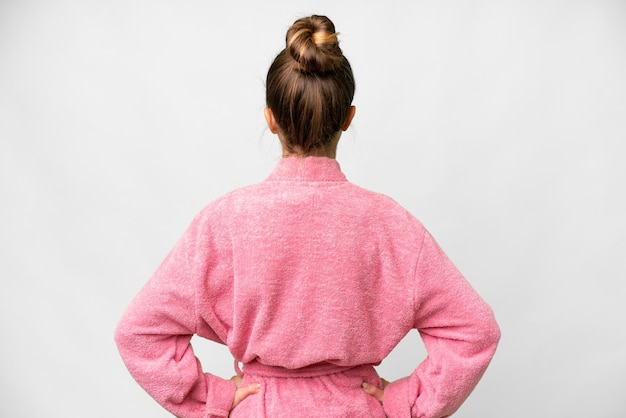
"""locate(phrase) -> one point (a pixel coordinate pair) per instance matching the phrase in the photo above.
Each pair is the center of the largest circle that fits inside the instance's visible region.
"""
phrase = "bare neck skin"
(329, 151)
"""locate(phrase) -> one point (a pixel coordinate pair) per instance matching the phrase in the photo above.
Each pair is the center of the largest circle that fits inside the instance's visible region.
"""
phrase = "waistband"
(313, 370)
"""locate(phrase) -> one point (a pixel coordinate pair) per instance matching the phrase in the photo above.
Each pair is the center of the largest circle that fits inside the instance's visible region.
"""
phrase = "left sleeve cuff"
(220, 396)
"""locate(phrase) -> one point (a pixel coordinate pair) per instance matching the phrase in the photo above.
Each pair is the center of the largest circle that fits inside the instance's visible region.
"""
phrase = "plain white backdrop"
(499, 124)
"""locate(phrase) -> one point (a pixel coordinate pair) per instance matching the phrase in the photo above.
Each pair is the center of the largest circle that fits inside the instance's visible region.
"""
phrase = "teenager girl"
(308, 279)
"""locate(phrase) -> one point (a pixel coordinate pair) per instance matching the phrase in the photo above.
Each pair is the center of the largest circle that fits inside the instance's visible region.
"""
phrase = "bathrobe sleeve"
(153, 338)
(460, 335)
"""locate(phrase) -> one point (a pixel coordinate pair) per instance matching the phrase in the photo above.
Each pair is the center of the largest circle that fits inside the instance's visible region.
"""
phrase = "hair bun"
(313, 44)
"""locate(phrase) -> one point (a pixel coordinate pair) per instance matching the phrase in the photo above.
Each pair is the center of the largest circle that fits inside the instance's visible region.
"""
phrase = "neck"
(314, 153)
(329, 150)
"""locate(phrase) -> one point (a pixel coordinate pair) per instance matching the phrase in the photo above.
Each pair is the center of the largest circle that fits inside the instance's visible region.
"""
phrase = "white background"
(499, 124)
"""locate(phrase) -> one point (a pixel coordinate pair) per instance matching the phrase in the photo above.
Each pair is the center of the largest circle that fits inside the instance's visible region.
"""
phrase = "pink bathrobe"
(310, 281)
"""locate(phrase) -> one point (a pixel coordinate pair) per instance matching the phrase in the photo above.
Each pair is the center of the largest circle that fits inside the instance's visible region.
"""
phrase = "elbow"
(119, 335)
(483, 332)
(123, 337)
(497, 333)
(129, 344)
(492, 338)
(491, 332)
(495, 328)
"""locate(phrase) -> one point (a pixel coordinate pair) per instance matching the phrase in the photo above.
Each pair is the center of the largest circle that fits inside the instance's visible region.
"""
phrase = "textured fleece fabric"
(310, 281)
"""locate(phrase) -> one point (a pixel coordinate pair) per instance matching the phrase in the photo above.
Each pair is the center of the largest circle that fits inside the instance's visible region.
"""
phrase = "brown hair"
(310, 85)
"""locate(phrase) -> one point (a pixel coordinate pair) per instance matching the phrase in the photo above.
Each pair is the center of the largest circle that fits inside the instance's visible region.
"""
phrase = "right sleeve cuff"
(396, 399)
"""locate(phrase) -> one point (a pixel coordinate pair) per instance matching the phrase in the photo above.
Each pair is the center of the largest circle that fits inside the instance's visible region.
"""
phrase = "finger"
(251, 389)
(374, 391)
(245, 391)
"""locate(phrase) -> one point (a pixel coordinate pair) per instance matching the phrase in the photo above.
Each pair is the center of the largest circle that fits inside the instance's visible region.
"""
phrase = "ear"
(271, 122)
(348, 121)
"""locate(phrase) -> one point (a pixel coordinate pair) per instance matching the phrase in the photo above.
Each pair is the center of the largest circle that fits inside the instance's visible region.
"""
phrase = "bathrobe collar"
(307, 169)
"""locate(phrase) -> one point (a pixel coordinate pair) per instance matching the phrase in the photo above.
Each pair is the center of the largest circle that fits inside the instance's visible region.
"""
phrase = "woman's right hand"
(374, 390)
(243, 392)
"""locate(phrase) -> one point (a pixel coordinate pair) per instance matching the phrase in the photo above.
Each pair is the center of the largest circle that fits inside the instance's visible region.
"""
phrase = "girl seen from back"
(308, 279)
